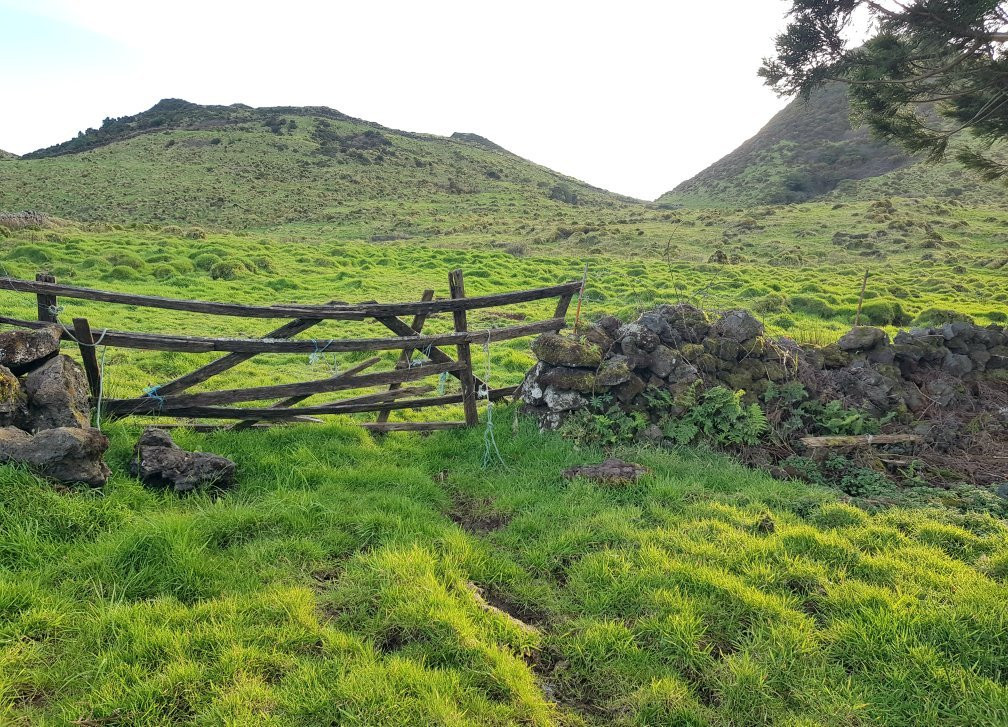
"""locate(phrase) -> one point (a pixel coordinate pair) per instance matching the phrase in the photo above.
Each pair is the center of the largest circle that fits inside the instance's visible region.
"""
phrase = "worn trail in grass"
(332, 587)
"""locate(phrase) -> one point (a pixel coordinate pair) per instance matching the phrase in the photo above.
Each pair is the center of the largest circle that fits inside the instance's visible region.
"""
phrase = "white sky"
(631, 96)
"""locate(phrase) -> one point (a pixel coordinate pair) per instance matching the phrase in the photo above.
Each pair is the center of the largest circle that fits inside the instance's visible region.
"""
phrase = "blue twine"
(101, 387)
(491, 451)
(315, 355)
(151, 392)
(441, 383)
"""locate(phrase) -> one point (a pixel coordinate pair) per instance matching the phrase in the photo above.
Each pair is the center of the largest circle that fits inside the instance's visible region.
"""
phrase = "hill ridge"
(804, 151)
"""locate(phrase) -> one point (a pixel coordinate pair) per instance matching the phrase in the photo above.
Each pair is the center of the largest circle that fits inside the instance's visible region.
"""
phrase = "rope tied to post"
(491, 451)
(151, 392)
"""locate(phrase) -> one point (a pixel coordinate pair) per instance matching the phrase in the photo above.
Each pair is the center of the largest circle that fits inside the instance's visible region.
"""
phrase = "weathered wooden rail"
(405, 389)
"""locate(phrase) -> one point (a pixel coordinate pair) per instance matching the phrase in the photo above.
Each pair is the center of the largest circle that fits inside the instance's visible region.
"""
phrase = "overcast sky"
(633, 96)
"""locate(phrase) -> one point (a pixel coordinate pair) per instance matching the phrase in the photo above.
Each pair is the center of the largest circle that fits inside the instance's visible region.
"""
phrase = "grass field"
(332, 586)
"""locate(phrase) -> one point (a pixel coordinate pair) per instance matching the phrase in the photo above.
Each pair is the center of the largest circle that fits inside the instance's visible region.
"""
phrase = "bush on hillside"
(32, 253)
(126, 258)
(206, 261)
(562, 192)
(939, 317)
(163, 271)
(884, 313)
(121, 272)
(810, 305)
(227, 270)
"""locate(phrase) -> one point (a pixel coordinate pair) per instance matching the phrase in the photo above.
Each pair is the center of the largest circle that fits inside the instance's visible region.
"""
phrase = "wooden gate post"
(46, 301)
(82, 331)
(457, 286)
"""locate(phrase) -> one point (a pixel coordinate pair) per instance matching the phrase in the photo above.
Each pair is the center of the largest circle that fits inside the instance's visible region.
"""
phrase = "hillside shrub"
(183, 265)
(31, 253)
(163, 271)
(997, 316)
(121, 272)
(884, 313)
(195, 233)
(206, 261)
(127, 259)
(770, 303)
(810, 305)
(939, 317)
(227, 270)
(562, 192)
(263, 264)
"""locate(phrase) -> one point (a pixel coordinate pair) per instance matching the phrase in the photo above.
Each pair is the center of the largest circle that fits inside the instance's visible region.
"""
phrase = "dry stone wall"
(675, 347)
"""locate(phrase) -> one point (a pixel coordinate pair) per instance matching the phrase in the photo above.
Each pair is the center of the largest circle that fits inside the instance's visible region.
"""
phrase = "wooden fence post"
(456, 284)
(46, 302)
(82, 332)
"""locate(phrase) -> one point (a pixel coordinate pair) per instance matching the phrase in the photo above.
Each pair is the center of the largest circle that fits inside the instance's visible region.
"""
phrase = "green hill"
(809, 150)
(237, 166)
(7, 155)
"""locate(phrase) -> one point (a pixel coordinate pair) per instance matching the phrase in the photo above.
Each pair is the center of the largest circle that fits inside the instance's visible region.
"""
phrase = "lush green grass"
(331, 588)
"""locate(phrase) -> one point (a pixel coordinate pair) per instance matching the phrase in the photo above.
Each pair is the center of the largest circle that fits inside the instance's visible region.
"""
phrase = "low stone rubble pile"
(45, 423)
(45, 411)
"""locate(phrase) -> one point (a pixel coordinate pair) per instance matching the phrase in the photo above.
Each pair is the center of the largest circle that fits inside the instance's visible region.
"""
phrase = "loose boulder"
(159, 462)
(25, 349)
(64, 454)
(58, 396)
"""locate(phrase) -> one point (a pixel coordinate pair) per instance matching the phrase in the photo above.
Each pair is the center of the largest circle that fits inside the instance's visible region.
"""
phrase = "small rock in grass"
(159, 462)
(23, 350)
(611, 470)
(64, 454)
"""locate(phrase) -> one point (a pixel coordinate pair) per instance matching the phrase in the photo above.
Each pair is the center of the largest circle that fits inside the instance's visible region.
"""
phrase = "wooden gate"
(402, 381)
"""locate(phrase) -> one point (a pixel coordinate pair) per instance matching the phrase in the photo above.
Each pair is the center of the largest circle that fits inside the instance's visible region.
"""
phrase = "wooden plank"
(411, 426)
(356, 369)
(197, 344)
(342, 311)
(407, 353)
(562, 305)
(288, 330)
(275, 391)
(82, 332)
(456, 283)
(46, 302)
(207, 427)
(397, 325)
(859, 440)
(274, 413)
